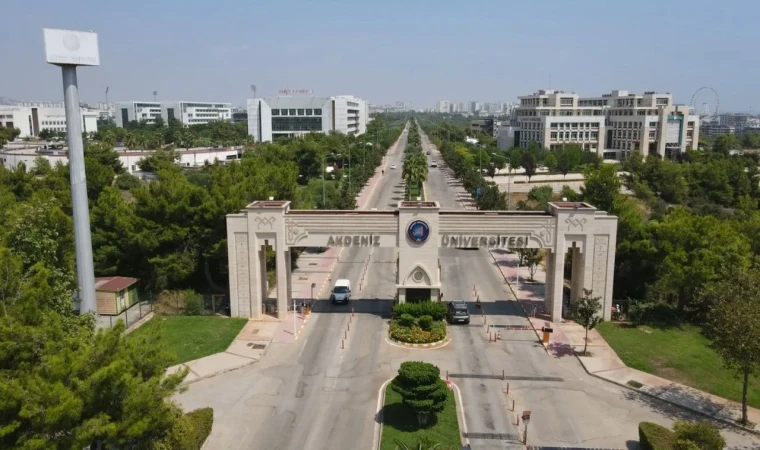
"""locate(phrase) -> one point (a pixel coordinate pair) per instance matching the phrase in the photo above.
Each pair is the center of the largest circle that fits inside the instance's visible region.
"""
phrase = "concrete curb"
(228, 369)
(431, 346)
(670, 402)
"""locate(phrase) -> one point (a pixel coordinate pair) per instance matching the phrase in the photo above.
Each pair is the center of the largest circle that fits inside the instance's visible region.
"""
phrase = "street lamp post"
(69, 49)
(323, 181)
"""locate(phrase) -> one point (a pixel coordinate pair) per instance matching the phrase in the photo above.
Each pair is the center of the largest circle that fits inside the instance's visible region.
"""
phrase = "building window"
(309, 112)
(292, 112)
(300, 112)
(297, 124)
(318, 112)
(284, 112)
(275, 112)
(554, 135)
(653, 124)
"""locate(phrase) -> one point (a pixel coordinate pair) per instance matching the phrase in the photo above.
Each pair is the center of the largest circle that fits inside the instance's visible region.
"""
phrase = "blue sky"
(417, 51)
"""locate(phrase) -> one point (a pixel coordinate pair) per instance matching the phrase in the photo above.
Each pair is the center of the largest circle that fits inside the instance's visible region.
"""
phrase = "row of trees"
(415, 169)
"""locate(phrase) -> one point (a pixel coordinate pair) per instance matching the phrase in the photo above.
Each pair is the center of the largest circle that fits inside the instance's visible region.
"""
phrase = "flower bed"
(416, 335)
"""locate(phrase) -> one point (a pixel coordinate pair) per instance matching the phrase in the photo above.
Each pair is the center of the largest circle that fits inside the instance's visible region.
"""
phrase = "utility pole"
(69, 49)
(323, 182)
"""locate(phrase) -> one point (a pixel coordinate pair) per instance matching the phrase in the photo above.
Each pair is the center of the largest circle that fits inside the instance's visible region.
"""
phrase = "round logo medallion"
(71, 42)
(418, 231)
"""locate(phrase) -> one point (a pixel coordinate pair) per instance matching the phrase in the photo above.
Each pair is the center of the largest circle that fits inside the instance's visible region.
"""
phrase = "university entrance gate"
(419, 230)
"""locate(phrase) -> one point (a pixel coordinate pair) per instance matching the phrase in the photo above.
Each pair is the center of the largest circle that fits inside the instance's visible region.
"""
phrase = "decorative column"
(577, 275)
(262, 282)
(283, 280)
(548, 282)
(558, 279)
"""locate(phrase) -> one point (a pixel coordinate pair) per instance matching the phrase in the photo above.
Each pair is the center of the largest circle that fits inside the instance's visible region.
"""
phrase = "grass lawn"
(400, 423)
(681, 354)
(192, 337)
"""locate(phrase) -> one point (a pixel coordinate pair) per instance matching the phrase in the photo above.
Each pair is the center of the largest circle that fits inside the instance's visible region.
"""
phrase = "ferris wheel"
(705, 102)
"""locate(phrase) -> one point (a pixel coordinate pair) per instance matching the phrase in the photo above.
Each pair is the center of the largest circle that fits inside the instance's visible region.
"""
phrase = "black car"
(457, 312)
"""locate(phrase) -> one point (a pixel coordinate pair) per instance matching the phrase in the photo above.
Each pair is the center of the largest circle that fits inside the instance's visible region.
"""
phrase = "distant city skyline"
(215, 54)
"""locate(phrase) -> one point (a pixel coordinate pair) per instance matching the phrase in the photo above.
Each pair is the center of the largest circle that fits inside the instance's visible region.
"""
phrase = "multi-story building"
(33, 119)
(713, 129)
(288, 116)
(196, 113)
(239, 115)
(140, 111)
(462, 108)
(474, 107)
(188, 113)
(443, 106)
(612, 125)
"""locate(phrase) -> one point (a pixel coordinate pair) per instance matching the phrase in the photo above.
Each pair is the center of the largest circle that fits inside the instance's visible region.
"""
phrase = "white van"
(341, 292)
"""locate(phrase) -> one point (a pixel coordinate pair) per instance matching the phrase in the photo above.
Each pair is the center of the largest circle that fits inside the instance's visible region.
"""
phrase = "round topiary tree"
(421, 388)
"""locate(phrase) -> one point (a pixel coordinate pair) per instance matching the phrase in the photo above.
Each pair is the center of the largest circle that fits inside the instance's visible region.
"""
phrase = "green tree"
(542, 195)
(601, 186)
(569, 157)
(421, 388)
(529, 163)
(530, 258)
(514, 156)
(8, 135)
(691, 251)
(734, 323)
(68, 388)
(586, 311)
(491, 199)
(550, 161)
(41, 234)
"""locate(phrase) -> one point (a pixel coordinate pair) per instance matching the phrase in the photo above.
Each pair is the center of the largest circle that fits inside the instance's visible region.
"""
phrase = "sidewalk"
(568, 338)
(248, 347)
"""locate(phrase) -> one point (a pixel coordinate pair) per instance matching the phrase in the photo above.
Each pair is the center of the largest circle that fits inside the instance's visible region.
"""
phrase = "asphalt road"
(315, 395)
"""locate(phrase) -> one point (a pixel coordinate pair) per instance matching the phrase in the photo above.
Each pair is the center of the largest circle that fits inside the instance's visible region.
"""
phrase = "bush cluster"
(436, 310)
(701, 435)
(201, 420)
(415, 334)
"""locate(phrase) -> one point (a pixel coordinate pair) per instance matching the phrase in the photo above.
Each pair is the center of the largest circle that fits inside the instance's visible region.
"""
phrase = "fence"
(130, 316)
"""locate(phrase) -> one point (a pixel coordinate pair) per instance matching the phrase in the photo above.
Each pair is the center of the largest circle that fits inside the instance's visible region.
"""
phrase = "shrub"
(193, 304)
(406, 320)
(435, 309)
(201, 421)
(704, 434)
(425, 322)
(655, 437)
(189, 431)
(127, 181)
(421, 388)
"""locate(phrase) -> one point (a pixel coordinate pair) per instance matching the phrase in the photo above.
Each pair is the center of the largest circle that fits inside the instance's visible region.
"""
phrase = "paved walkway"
(568, 338)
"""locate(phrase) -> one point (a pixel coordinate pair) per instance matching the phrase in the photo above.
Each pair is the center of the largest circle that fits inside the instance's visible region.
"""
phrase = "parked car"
(433, 163)
(457, 312)
(393, 166)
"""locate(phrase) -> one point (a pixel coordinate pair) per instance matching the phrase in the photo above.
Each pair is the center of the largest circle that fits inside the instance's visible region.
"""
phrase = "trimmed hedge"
(655, 437)
(427, 308)
(201, 421)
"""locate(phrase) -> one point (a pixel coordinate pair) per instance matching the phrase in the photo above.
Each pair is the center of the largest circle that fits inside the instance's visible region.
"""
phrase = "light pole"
(323, 182)
(69, 49)
(155, 94)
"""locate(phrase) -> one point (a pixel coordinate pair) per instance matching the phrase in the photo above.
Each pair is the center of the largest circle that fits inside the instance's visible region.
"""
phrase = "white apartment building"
(612, 125)
(288, 116)
(443, 106)
(140, 111)
(188, 113)
(195, 113)
(33, 119)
